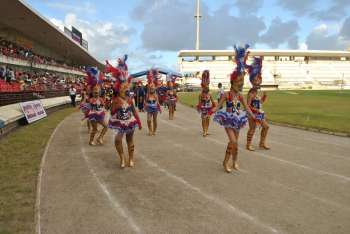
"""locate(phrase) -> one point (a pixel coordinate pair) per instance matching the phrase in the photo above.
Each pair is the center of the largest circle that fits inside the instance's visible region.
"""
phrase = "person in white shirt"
(72, 94)
(221, 93)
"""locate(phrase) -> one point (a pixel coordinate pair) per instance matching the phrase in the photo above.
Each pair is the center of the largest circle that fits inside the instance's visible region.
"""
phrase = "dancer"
(205, 81)
(152, 108)
(153, 76)
(96, 115)
(109, 96)
(84, 107)
(205, 102)
(233, 119)
(124, 117)
(171, 95)
(205, 106)
(255, 100)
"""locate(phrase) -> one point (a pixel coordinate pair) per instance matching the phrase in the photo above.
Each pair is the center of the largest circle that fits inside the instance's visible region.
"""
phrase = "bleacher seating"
(284, 74)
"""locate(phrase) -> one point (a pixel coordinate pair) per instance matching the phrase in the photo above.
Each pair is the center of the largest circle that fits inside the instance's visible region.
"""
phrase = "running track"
(178, 185)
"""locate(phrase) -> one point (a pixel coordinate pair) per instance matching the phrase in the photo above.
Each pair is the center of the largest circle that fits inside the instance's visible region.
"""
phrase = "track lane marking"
(112, 200)
(37, 217)
(210, 197)
(306, 194)
(322, 172)
(317, 171)
(309, 138)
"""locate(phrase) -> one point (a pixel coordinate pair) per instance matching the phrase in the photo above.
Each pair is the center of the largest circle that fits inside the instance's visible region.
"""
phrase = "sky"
(151, 32)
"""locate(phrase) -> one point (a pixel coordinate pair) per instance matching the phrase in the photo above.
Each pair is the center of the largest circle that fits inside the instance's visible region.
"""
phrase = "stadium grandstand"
(282, 69)
(37, 61)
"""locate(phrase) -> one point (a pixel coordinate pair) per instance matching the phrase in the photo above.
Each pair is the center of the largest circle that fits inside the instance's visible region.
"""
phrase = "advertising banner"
(77, 35)
(33, 110)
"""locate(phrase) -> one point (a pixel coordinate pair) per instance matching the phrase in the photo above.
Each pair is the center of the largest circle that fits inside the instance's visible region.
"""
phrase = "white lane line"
(342, 177)
(275, 183)
(330, 155)
(198, 155)
(283, 134)
(310, 138)
(321, 172)
(210, 197)
(113, 201)
(38, 191)
(310, 150)
(312, 196)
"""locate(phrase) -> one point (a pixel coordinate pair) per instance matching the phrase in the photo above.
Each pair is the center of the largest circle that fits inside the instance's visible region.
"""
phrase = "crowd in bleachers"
(11, 49)
(12, 80)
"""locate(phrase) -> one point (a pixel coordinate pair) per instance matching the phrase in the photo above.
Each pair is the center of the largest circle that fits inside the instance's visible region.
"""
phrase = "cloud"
(320, 39)
(345, 31)
(105, 38)
(302, 46)
(336, 11)
(293, 42)
(298, 7)
(280, 32)
(246, 7)
(163, 30)
(169, 25)
(221, 29)
(81, 7)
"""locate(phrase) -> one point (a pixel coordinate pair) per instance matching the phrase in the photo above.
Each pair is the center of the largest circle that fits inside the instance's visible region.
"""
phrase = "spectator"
(11, 49)
(10, 75)
(220, 93)
(72, 94)
(140, 96)
(2, 73)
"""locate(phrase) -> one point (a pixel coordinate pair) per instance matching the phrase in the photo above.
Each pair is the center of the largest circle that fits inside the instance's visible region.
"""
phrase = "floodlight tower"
(197, 17)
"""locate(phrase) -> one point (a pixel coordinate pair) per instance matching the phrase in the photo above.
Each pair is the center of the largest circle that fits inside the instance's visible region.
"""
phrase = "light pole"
(197, 16)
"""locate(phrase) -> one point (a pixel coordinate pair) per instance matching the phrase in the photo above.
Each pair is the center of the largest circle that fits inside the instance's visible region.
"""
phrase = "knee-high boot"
(234, 156)
(228, 154)
(250, 135)
(263, 135)
(131, 149)
(88, 126)
(119, 148)
(150, 130)
(92, 136)
(207, 122)
(102, 134)
(154, 126)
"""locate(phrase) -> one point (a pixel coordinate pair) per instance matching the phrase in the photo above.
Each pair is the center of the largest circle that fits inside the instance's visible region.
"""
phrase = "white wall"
(326, 74)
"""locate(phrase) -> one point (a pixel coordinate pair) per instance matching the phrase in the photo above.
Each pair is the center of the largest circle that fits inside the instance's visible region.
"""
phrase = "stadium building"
(37, 61)
(282, 69)
(31, 47)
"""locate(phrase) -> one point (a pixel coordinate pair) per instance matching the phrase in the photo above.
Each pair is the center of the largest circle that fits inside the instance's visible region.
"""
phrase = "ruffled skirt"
(205, 111)
(85, 108)
(123, 126)
(259, 116)
(231, 119)
(151, 108)
(171, 102)
(97, 116)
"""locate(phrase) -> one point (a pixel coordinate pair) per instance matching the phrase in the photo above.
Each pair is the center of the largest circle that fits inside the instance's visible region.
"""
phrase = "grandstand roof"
(315, 53)
(18, 15)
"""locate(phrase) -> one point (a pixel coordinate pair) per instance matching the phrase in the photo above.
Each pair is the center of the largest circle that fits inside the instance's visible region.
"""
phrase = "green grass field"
(326, 110)
(20, 157)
